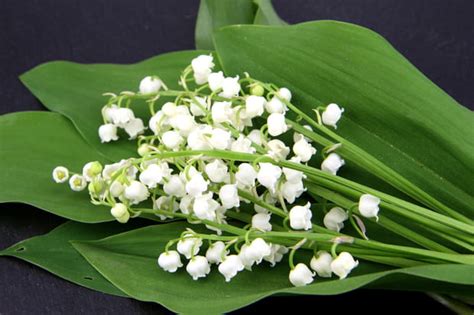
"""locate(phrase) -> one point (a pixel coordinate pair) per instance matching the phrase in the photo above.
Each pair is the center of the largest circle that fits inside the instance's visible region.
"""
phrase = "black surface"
(436, 35)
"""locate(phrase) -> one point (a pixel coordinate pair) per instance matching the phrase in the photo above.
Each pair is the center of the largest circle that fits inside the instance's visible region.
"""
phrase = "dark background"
(436, 35)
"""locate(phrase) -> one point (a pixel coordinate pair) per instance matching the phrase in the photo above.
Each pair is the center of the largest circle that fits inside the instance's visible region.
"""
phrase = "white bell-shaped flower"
(217, 171)
(242, 144)
(197, 185)
(221, 112)
(332, 163)
(198, 106)
(154, 174)
(332, 114)
(107, 112)
(134, 128)
(172, 139)
(255, 136)
(198, 138)
(204, 207)
(186, 204)
(301, 275)
(268, 176)
(116, 188)
(175, 186)
(189, 245)
(277, 150)
(215, 80)
(170, 261)
(91, 170)
(150, 85)
(202, 64)
(343, 264)
(169, 109)
(254, 106)
(275, 106)
(276, 255)
(304, 150)
(121, 116)
(77, 182)
(165, 203)
(107, 133)
(158, 122)
(215, 252)
(321, 263)
(261, 221)
(284, 93)
(185, 123)
(300, 217)
(220, 139)
(231, 265)
(334, 219)
(246, 175)
(369, 206)
(276, 124)
(292, 190)
(136, 192)
(60, 174)
(229, 196)
(120, 212)
(230, 87)
(292, 175)
(198, 267)
(254, 252)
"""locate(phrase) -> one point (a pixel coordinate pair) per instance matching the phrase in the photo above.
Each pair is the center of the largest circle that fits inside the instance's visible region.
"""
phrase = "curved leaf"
(75, 90)
(54, 253)
(128, 261)
(266, 14)
(392, 110)
(32, 144)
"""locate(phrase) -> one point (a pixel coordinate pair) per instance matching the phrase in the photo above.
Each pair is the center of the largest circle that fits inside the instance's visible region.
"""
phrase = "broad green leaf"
(32, 144)
(75, 90)
(392, 110)
(54, 253)
(266, 14)
(129, 262)
(214, 14)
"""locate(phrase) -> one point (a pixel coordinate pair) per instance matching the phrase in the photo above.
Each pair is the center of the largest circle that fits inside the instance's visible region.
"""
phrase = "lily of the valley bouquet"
(306, 159)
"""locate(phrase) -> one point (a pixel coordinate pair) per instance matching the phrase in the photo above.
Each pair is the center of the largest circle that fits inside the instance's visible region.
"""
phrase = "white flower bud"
(77, 182)
(158, 122)
(91, 170)
(332, 163)
(343, 264)
(198, 267)
(300, 217)
(369, 206)
(170, 261)
(230, 267)
(276, 255)
(172, 139)
(189, 245)
(242, 144)
(246, 175)
(256, 136)
(169, 109)
(230, 87)
(60, 174)
(275, 106)
(284, 93)
(276, 124)
(175, 186)
(331, 115)
(202, 64)
(199, 106)
(254, 106)
(268, 176)
(301, 275)
(150, 85)
(217, 171)
(116, 189)
(303, 150)
(229, 196)
(277, 150)
(185, 123)
(321, 263)
(108, 132)
(292, 190)
(215, 252)
(134, 128)
(197, 185)
(136, 192)
(334, 219)
(205, 207)
(215, 80)
(261, 221)
(220, 139)
(121, 116)
(221, 112)
(120, 213)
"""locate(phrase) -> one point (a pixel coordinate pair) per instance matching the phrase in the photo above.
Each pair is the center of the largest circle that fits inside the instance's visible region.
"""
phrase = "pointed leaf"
(266, 14)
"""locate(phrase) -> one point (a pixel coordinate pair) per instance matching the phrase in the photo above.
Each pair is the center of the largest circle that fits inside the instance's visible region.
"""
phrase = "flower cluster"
(208, 153)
